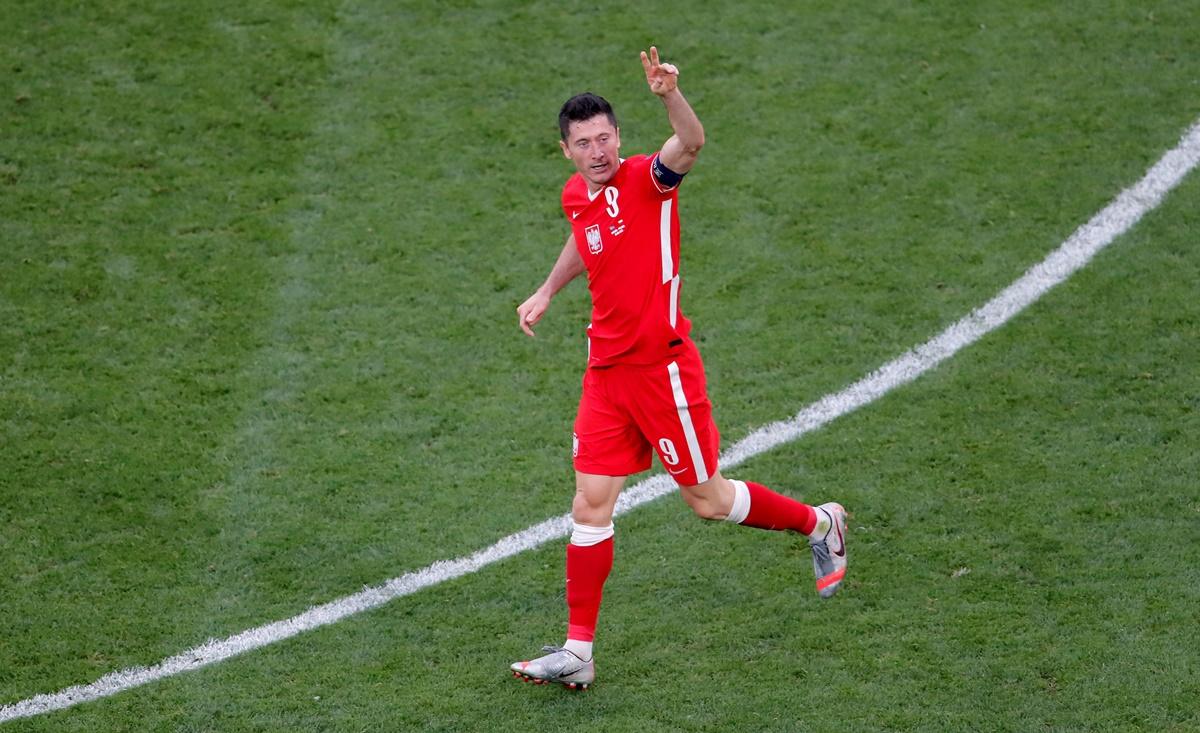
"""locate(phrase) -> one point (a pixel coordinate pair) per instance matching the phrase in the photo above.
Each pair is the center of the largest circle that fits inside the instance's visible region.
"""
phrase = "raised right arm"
(567, 267)
(680, 150)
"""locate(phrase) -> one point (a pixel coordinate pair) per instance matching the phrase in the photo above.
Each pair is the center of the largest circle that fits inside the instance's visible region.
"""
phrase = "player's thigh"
(675, 415)
(607, 441)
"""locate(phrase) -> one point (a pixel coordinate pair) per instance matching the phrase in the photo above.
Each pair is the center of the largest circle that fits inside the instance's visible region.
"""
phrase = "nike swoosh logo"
(574, 215)
(676, 473)
(841, 552)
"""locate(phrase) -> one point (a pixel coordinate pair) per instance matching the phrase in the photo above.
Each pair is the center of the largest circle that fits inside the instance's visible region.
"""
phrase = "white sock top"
(581, 649)
(741, 502)
(823, 525)
(584, 535)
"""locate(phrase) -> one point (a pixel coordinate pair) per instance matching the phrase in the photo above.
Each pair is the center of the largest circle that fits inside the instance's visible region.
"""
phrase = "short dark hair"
(583, 107)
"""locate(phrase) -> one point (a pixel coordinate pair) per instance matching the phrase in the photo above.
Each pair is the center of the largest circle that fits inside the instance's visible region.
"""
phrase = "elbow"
(692, 147)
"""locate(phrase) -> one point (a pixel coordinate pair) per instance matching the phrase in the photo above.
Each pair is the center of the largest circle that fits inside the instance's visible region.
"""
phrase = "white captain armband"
(666, 177)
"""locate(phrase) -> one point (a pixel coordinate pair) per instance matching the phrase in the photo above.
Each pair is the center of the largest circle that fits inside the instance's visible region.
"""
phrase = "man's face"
(593, 145)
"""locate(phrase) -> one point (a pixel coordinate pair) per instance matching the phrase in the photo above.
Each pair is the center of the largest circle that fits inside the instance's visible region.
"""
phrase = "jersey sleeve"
(645, 179)
(664, 178)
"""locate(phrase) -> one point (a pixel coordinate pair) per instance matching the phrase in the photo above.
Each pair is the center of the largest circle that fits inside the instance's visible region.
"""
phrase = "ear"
(565, 149)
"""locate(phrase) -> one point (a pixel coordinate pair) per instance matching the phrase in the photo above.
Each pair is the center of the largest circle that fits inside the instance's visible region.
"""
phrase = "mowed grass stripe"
(1100, 231)
(150, 201)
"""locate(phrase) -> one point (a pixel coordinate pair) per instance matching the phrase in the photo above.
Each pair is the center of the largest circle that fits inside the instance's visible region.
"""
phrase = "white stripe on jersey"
(664, 237)
(674, 300)
(685, 418)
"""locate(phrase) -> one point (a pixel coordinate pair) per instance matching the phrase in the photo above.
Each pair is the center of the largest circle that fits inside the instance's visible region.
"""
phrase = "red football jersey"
(628, 236)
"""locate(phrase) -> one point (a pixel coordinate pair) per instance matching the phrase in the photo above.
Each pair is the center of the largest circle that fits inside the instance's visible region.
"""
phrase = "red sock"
(587, 569)
(769, 510)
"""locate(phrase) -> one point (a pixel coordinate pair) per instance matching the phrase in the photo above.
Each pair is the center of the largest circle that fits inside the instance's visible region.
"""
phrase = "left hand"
(531, 311)
(663, 78)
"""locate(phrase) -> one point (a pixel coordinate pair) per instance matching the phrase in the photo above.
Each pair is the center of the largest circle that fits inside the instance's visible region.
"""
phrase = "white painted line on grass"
(1113, 221)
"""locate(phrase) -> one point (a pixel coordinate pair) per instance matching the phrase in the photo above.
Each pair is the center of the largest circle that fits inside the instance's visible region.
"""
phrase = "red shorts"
(626, 411)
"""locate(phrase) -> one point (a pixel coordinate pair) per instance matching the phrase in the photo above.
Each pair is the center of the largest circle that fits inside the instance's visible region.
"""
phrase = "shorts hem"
(610, 469)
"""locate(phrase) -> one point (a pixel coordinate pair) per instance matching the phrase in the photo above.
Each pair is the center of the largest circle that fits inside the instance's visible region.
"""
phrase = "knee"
(584, 511)
(707, 502)
(591, 508)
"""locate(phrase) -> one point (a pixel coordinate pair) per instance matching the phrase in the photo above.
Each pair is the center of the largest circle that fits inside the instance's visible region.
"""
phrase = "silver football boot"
(829, 551)
(560, 666)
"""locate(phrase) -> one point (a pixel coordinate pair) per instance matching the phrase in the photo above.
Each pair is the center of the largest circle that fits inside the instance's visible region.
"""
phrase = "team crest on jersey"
(593, 239)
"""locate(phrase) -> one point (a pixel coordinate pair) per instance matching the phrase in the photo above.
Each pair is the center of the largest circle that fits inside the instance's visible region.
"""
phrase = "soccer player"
(644, 387)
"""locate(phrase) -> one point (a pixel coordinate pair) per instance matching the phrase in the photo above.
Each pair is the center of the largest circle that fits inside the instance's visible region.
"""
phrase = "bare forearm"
(567, 267)
(680, 150)
(688, 130)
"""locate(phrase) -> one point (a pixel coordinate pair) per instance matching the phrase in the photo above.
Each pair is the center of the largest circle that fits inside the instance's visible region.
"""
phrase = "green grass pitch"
(259, 264)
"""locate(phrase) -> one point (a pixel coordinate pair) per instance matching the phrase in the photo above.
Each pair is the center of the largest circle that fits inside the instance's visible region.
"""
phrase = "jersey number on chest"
(610, 195)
